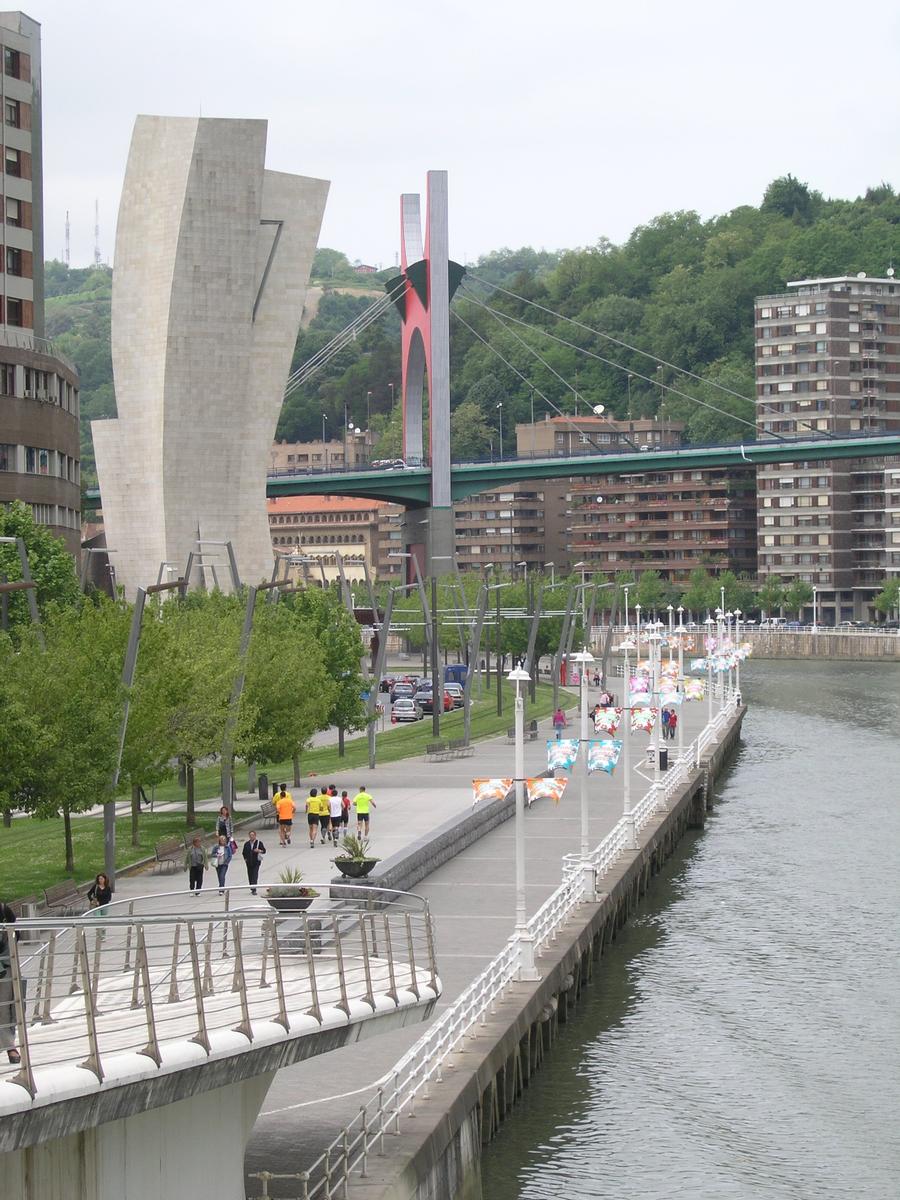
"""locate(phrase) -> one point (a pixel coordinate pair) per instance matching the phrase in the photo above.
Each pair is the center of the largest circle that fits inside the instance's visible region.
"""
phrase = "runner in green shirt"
(362, 802)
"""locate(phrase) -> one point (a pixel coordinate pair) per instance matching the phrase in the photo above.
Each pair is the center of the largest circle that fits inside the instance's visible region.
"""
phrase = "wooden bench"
(437, 751)
(169, 853)
(65, 898)
(459, 749)
(268, 813)
(531, 733)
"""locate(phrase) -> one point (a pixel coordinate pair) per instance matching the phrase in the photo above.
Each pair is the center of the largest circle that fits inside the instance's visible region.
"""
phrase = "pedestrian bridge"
(149, 1037)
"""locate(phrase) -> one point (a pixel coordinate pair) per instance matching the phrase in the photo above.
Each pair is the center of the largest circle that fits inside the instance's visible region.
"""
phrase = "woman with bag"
(221, 859)
(100, 894)
(225, 825)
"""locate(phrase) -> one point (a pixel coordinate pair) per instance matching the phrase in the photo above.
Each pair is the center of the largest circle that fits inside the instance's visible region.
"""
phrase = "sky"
(560, 123)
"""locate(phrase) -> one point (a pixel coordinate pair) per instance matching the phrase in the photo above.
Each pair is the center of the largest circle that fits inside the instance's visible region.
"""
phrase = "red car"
(423, 699)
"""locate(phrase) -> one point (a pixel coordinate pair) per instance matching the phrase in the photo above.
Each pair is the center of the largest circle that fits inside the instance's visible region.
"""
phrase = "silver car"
(456, 693)
(405, 710)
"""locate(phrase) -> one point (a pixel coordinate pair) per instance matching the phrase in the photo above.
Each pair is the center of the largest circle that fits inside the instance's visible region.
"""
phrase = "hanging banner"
(606, 720)
(490, 789)
(698, 664)
(639, 684)
(643, 719)
(640, 698)
(603, 755)
(561, 755)
(694, 689)
(668, 699)
(669, 671)
(545, 789)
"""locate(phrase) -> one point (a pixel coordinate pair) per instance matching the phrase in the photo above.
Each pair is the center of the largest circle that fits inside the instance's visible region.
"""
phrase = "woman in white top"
(335, 805)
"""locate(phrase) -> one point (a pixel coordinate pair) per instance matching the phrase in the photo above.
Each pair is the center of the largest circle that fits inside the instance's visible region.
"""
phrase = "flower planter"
(290, 903)
(355, 868)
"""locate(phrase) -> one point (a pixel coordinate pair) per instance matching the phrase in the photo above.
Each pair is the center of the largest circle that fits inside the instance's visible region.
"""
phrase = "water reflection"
(742, 1042)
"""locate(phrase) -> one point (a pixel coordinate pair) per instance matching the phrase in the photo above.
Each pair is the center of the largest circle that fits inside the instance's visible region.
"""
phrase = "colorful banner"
(561, 754)
(694, 689)
(640, 698)
(643, 719)
(606, 720)
(490, 789)
(639, 684)
(698, 664)
(670, 699)
(603, 755)
(545, 789)
(669, 671)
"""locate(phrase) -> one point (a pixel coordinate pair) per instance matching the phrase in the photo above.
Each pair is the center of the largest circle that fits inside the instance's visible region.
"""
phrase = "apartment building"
(509, 526)
(828, 362)
(322, 455)
(311, 531)
(39, 440)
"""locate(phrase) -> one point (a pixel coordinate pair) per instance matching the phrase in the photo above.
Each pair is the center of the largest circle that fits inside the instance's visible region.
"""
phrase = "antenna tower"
(68, 251)
(97, 257)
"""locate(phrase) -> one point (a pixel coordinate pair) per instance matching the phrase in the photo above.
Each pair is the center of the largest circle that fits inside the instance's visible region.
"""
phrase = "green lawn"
(393, 745)
(32, 852)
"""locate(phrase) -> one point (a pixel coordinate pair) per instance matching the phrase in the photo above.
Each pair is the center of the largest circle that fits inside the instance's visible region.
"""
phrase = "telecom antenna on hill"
(97, 256)
(67, 255)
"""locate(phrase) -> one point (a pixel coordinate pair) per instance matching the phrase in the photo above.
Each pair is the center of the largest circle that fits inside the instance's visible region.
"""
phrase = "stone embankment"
(791, 643)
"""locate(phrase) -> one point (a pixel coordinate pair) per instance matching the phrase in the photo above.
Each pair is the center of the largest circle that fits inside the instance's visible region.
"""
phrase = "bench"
(65, 898)
(437, 751)
(459, 749)
(268, 814)
(169, 853)
(531, 733)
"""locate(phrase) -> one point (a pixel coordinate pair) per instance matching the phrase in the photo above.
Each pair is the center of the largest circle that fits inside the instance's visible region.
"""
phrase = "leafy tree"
(797, 596)
(888, 599)
(651, 593)
(789, 197)
(701, 593)
(52, 567)
(770, 596)
(470, 435)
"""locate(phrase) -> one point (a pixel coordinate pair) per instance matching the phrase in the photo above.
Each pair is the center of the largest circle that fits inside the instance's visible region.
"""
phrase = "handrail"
(329, 1175)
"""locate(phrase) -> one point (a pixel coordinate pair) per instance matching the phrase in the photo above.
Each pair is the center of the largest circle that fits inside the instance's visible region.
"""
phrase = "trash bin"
(663, 758)
(263, 784)
(651, 756)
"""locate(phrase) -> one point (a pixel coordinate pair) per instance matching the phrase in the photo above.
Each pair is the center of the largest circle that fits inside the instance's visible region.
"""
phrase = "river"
(742, 1037)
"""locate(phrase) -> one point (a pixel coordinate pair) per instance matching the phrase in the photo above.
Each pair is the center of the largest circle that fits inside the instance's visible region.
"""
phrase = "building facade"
(353, 451)
(39, 439)
(309, 532)
(828, 362)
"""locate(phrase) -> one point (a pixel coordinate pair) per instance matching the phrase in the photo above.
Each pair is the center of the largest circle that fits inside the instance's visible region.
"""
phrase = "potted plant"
(289, 894)
(356, 861)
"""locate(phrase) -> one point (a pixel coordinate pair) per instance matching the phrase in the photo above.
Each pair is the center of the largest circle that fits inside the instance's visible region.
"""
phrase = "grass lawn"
(32, 852)
(407, 742)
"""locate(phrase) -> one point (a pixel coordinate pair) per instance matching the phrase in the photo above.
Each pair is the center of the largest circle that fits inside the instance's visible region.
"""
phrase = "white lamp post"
(524, 566)
(737, 645)
(709, 622)
(500, 417)
(681, 632)
(637, 639)
(584, 659)
(815, 598)
(627, 811)
(654, 640)
(527, 969)
(552, 567)
(671, 611)
(626, 609)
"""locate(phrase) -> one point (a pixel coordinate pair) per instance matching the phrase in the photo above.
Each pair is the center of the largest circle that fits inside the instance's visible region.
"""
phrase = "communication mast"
(97, 256)
(68, 251)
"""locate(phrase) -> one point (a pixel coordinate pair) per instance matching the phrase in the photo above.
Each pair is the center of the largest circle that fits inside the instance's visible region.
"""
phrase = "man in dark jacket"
(253, 852)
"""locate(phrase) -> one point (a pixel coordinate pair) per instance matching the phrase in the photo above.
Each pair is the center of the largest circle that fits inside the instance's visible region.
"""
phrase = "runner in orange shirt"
(284, 806)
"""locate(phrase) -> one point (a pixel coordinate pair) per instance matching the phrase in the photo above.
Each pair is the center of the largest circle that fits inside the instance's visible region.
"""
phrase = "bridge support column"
(191, 1147)
(429, 535)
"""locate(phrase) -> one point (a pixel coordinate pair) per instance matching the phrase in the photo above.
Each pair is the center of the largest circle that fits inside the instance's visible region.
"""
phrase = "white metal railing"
(397, 1092)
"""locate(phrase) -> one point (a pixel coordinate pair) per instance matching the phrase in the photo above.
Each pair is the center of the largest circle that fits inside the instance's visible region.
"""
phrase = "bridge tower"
(427, 282)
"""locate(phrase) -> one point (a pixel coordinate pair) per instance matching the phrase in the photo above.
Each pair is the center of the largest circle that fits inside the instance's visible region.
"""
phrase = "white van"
(773, 623)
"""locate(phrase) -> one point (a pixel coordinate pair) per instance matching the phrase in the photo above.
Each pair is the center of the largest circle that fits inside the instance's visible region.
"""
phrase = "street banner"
(698, 664)
(643, 719)
(545, 789)
(561, 754)
(694, 689)
(670, 699)
(607, 720)
(603, 755)
(639, 684)
(490, 789)
(639, 698)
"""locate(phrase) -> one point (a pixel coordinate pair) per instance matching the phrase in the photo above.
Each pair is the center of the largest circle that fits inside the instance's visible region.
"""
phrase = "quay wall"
(436, 1155)
(798, 643)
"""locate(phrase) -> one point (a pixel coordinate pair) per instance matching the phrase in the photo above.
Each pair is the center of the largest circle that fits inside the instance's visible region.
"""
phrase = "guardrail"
(114, 982)
(397, 1093)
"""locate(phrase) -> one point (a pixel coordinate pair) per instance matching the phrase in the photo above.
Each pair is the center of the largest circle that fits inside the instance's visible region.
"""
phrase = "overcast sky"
(559, 122)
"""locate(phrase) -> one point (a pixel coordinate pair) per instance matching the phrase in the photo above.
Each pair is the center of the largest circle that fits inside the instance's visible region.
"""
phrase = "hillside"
(679, 287)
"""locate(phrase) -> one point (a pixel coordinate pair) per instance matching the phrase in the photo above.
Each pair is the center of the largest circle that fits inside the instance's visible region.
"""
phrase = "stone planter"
(290, 903)
(355, 868)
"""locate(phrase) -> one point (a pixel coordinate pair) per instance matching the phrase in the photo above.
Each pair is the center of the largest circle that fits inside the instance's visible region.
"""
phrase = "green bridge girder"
(412, 486)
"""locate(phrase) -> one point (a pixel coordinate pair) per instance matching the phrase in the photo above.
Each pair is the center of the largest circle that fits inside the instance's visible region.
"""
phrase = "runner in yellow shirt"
(363, 802)
(324, 814)
(312, 815)
(284, 806)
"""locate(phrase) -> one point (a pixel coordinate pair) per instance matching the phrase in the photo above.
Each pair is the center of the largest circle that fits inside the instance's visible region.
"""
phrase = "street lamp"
(637, 626)
(500, 412)
(737, 643)
(552, 567)
(368, 411)
(525, 566)
(324, 451)
(627, 812)
(525, 942)
(626, 608)
(584, 658)
(815, 597)
(709, 622)
(391, 386)
(670, 610)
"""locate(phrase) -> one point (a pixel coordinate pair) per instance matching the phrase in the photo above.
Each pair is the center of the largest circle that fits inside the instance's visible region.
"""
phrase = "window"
(803, 328)
(13, 113)
(13, 212)
(37, 461)
(13, 312)
(13, 161)
(13, 261)
(854, 348)
(821, 326)
(7, 379)
(12, 62)
(853, 327)
(7, 457)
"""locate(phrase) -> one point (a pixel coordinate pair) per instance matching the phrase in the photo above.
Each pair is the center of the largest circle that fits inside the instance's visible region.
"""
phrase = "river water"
(742, 1036)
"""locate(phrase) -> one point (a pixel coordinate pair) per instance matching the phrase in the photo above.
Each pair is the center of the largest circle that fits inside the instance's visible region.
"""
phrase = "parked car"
(456, 694)
(405, 710)
(426, 701)
(850, 625)
(773, 623)
(402, 691)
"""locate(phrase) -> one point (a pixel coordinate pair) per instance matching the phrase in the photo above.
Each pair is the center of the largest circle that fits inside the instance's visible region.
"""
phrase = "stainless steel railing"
(125, 982)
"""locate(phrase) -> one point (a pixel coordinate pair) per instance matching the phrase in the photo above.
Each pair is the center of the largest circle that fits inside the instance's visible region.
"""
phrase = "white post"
(709, 676)
(681, 684)
(584, 660)
(737, 643)
(626, 612)
(671, 612)
(627, 812)
(637, 636)
(524, 940)
(655, 643)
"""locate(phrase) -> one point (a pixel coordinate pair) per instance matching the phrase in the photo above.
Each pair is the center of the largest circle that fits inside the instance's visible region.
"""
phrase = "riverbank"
(863, 646)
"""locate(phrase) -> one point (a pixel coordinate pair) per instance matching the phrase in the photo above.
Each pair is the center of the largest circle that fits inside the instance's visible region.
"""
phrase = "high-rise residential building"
(39, 442)
(828, 362)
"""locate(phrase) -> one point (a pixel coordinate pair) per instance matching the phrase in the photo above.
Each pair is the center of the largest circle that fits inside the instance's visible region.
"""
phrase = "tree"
(797, 596)
(701, 592)
(470, 434)
(788, 197)
(888, 599)
(651, 592)
(52, 567)
(770, 596)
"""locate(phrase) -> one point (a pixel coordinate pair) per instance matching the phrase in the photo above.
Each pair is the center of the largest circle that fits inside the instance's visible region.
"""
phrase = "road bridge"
(149, 1039)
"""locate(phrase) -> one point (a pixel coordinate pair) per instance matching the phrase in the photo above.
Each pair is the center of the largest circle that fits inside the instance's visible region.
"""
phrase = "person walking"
(362, 802)
(225, 824)
(559, 723)
(221, 859)
(8, 1024)
(664, 717)
(196, 861)
(345, 811)
(284, 806)
(312, 816)
(673, 724)
(324, 815)
(252, 852)
(99, 894)
(336, 806)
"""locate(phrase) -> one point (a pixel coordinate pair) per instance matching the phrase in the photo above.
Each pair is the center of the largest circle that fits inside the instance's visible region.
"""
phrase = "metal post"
(474, 650)
(584, 660)
(524, 940)
(655, 643)
(437, 689)
(627, 811)
(380, 658)
(497, 645)
(237, 688)
(563, 639)
(530, 664)
(681, 689)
